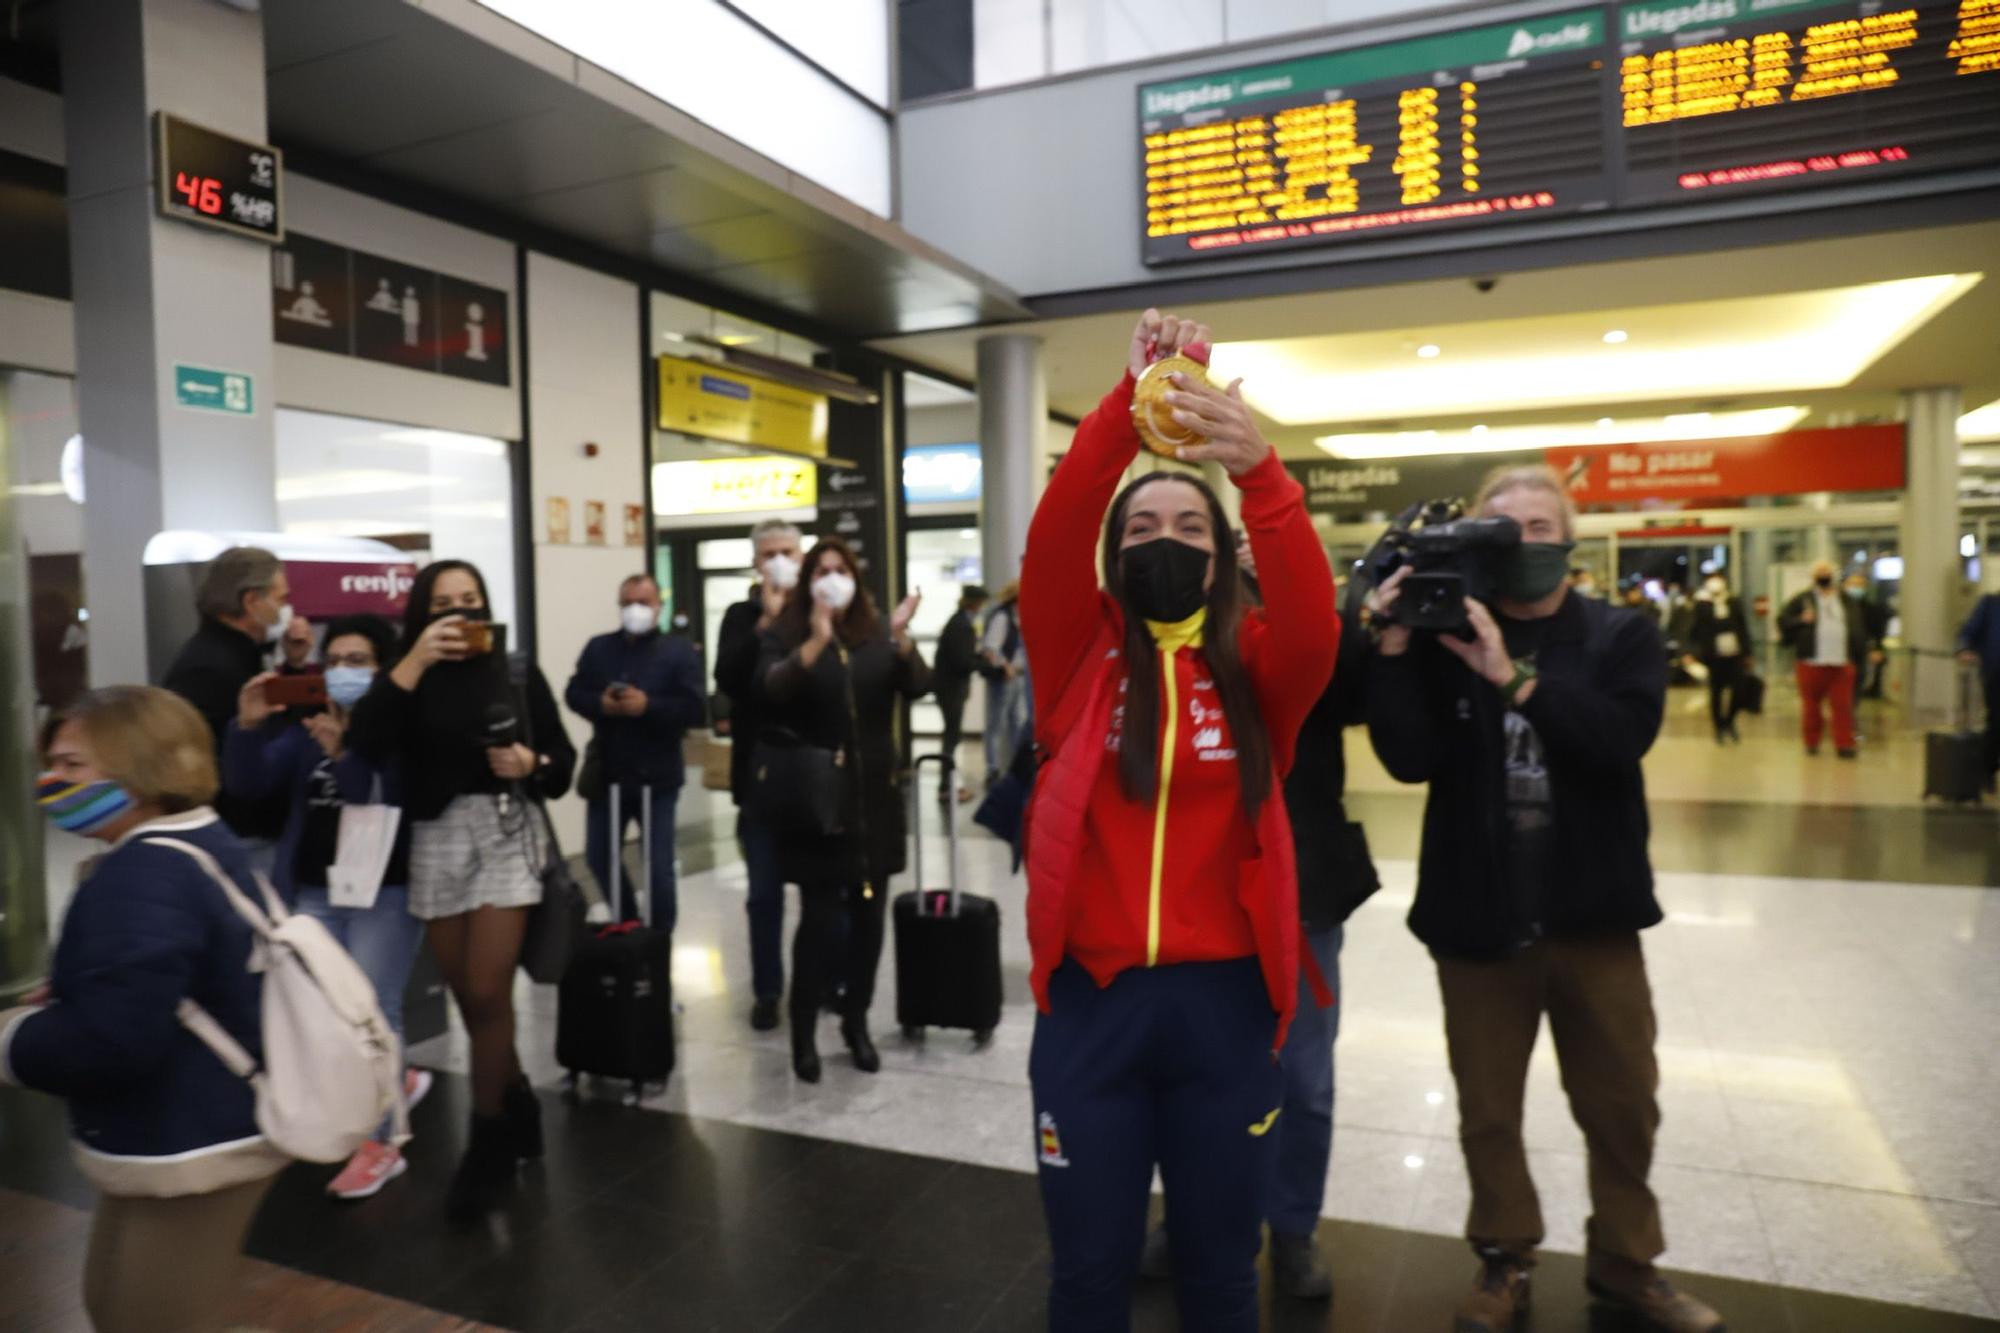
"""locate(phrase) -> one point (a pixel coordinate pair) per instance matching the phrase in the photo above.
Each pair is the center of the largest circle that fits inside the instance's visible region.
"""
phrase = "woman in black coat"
(833, 676)
(1720, 638)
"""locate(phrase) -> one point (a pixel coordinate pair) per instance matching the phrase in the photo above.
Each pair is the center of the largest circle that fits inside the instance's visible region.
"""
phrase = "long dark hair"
(859, 623)
(1139, 764)
(417, 611)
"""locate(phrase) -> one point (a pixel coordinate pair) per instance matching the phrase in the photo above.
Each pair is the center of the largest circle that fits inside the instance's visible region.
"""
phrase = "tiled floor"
(1827, 984)
(1825, 1045)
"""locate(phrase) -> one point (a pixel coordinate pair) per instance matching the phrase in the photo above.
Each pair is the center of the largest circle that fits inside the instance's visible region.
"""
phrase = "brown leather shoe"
(1499, 1295)
(1639, 1289)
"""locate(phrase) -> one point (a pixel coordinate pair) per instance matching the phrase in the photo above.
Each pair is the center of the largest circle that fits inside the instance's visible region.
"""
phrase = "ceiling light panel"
(1508, 439)
(1700, 350)
(1980, 424)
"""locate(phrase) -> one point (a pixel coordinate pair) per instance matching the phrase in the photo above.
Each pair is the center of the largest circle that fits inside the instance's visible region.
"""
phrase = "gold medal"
(1152, 416)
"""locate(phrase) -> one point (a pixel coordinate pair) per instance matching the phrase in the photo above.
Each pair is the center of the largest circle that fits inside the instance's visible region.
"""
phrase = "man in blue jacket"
(1979, 646)
(641, 690)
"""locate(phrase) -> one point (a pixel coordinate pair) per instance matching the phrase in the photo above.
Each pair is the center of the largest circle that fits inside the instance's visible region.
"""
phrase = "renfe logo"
(1664, 22)
(391, 585)
(1568, 36)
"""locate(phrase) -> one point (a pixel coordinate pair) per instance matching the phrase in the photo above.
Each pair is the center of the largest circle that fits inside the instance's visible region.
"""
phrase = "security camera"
(1484, 285)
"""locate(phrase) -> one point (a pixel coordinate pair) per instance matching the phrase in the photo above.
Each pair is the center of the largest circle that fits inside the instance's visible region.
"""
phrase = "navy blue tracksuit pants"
(1169, 1066)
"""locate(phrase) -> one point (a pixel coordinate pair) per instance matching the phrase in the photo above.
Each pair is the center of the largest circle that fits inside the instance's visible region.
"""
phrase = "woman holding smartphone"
(479, 753)
(310, 763)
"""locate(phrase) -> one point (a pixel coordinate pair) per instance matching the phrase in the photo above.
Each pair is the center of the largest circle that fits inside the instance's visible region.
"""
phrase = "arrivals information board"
(1462, 128)
(1619, 107)
(1721, 97)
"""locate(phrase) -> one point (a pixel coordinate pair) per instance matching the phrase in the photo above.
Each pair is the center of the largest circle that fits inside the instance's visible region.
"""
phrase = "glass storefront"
(435, 494)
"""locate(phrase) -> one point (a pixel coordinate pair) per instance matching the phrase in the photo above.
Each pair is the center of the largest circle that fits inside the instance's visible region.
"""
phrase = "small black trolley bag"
(947, 942)
(615, 1005)
(1955, 760)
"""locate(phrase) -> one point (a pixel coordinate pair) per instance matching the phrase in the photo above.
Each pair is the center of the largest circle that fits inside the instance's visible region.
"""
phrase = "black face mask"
(1824, 580)
(473, 613)
(1164, 578)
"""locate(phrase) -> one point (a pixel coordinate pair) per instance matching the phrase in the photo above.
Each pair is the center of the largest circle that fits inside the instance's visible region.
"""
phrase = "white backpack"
(332, 1066)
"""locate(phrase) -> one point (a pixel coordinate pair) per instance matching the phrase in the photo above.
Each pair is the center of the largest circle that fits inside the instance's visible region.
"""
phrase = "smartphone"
(478, 637)
(308, 691)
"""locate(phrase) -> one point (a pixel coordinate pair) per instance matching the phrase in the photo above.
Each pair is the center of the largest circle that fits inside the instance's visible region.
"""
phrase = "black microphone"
(503, 726)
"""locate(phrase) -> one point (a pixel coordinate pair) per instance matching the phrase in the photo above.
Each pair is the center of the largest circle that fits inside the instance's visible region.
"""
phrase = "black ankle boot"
(805, 1052)
(523, 1113)
(866, 1058)
(484, 1173)
(1297, 1269)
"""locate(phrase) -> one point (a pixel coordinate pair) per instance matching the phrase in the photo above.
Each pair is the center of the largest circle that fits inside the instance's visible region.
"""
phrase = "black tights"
(1723, 675)
(478, 952)
(818, 959)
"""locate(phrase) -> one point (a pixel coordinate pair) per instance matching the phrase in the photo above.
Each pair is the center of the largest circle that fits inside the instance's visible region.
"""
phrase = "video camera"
(1451, 557)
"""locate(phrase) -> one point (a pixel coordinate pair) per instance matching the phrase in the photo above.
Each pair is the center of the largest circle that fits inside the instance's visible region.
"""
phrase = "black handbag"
(798, 789)
(1750, 692)
(590, 777)
(557, 923)
(1336, 875)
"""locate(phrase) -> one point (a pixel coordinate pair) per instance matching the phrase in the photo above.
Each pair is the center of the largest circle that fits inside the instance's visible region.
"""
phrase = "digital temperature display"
(219, 181)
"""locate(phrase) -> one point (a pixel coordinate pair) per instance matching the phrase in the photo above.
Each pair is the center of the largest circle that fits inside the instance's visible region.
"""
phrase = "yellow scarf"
(1172, 637)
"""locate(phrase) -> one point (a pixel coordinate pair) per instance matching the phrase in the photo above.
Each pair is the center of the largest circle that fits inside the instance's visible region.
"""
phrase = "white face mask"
(1716, 587)
(783, 572)
(638, 618)
(834, 591)
(276, 629)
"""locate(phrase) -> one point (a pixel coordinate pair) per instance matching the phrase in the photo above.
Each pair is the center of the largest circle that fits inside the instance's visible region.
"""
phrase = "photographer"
(452, 712)
(309, 762)
(1533, 886)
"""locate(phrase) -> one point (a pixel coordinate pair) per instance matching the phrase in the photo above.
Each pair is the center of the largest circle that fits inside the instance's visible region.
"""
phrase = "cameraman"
(1532, 888)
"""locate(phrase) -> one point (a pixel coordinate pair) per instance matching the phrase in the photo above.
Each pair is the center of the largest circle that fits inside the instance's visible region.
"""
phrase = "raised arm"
(1292, 659)
(1061, 608)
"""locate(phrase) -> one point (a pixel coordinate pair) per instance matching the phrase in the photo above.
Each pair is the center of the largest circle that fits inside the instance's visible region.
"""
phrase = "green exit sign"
(213, 390)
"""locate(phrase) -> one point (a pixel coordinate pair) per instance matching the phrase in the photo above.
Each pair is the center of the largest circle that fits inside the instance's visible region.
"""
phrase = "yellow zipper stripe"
(1168, 745)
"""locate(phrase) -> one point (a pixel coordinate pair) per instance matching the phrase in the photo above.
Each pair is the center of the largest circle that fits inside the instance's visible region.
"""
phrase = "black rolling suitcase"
(615, 1005)
(1955, 760)
(947, 942)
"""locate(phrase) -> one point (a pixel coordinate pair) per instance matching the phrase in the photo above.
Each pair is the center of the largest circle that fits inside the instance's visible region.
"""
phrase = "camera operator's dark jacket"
(1597, 704)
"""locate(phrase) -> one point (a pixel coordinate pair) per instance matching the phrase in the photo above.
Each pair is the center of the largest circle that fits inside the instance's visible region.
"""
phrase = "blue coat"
(1982, 634)
(148, 929)
(256, 764)
(665, 669)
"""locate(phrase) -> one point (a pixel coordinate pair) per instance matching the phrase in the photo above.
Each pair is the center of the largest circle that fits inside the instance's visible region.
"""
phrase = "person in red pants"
(1162, 891)
(1828, 637)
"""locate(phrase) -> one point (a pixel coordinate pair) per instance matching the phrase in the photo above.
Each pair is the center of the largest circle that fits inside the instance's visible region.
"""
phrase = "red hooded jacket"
(1099, 863)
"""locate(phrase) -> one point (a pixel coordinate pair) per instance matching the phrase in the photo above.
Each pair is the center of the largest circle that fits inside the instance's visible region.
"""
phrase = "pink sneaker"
(416, 1086)
(372, 1167)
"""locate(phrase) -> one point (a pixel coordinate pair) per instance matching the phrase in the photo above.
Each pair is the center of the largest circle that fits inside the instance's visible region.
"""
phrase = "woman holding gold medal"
(1162, 893)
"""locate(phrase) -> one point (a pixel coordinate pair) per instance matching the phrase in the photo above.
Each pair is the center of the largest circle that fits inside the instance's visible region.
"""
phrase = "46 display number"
(203, 193)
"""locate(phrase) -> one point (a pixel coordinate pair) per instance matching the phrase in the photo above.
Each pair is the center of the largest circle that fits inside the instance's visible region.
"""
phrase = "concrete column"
(24, 931)
(153, 292)
(1819, 536)
(1931, 570)
(1013, 407)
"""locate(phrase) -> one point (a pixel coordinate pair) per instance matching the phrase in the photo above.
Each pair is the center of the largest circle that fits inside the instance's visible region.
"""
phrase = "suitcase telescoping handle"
(947, 778)
(615, 871)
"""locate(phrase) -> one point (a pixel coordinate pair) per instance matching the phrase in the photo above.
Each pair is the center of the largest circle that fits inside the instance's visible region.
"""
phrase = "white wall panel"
(584, 387)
